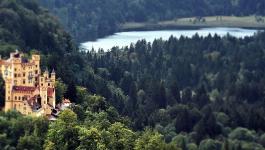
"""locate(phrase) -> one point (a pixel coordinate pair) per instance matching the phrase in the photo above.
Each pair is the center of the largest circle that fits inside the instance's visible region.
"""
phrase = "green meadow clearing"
(193, 22)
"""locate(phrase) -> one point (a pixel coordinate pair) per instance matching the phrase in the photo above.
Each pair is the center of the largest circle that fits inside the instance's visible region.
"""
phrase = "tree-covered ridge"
(90, 19)
(25, 25)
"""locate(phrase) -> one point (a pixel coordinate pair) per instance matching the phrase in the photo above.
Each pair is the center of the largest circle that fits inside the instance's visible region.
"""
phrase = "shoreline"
(247, 22)
(182, 27)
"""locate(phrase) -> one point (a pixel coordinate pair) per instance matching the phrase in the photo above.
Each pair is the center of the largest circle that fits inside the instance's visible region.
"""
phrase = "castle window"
(36, 66)
(49, 84)
(15, 98)
(24, 74)
(36, 71)
(42, 84)
(19, 98)
(24, 81)
(15, 75)
(8, 97)
(15, 69)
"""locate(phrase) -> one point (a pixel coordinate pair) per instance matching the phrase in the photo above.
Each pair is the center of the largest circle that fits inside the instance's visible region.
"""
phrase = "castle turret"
(53, 76)
(46, 73)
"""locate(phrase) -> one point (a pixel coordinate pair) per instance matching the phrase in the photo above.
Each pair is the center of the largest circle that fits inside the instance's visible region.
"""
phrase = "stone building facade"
(27, 89)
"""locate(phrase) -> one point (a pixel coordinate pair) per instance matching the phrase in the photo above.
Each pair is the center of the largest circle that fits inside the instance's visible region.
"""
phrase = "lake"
(122, 39)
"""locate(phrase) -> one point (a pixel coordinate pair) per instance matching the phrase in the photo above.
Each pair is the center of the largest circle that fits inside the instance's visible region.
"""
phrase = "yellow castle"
(27, 90)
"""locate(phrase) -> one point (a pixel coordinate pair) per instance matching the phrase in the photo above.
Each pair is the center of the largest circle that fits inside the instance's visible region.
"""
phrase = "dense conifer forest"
(183, 94)
(90, 19)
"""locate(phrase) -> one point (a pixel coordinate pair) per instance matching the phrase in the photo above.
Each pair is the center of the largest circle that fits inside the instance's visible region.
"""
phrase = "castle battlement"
(27, 90)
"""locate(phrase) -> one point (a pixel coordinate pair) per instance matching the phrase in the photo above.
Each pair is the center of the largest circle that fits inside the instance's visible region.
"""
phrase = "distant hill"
(88, 20)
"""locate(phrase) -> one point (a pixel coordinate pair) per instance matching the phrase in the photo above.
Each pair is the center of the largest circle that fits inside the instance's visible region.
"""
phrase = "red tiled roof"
(4, 62)
(24, 88)
(50, 92)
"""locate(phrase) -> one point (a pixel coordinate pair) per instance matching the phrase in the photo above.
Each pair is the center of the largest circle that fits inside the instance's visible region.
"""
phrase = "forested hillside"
(206, 87)
(90, 19)
(26, 26)
(184, 94)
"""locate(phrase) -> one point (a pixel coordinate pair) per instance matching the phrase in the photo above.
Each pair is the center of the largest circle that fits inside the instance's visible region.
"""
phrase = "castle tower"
(44, 97)
(8, 95)
(36, 60)
(52, 99)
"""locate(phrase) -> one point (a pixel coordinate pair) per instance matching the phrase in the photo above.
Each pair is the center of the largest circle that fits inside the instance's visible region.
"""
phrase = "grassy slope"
(211, 21)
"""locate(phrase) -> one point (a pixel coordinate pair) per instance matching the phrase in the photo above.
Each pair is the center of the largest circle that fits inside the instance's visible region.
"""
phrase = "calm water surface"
(123, 39)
